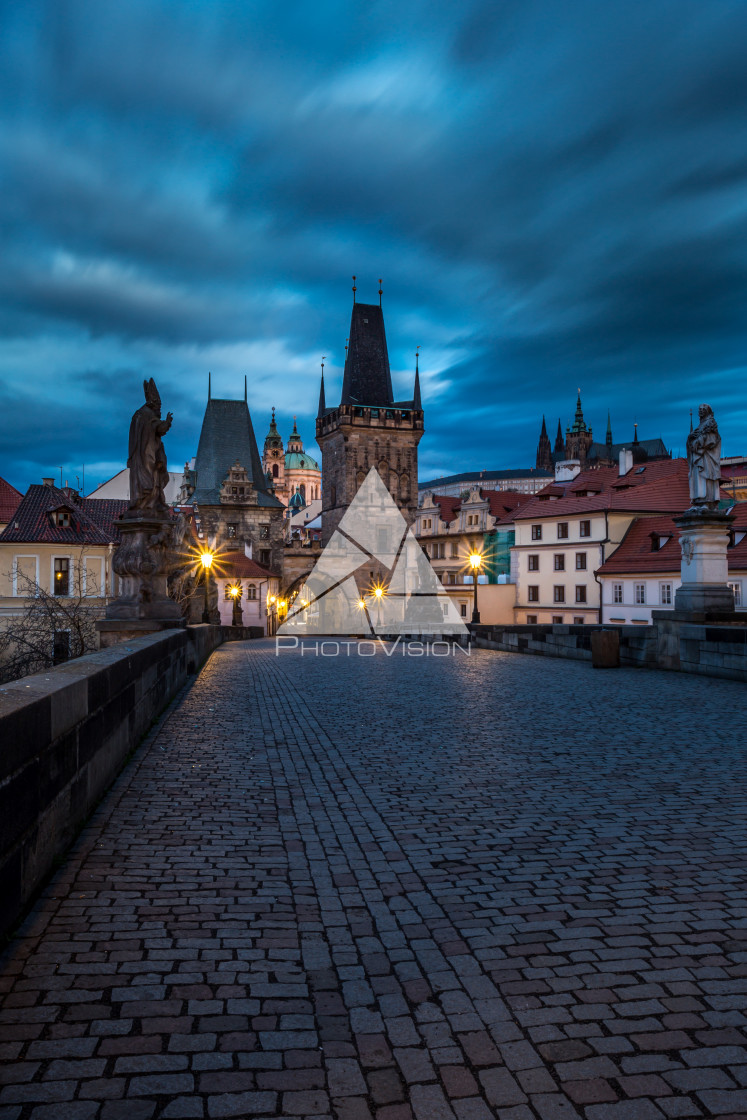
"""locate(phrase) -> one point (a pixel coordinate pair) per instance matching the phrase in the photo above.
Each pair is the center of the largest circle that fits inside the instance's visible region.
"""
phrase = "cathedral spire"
(609, 430)
(559, 441)
(544, 450)
(579, 424)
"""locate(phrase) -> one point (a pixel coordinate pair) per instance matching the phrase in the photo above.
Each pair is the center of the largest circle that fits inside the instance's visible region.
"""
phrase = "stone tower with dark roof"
(368, 428)
(230, 497)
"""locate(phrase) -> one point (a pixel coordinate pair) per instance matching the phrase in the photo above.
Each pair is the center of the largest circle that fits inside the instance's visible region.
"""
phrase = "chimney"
(47, 482)
(626, 461)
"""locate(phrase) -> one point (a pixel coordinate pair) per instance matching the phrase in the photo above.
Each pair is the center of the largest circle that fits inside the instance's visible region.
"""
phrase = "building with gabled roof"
(10, 499)
(643, 574)
(567, 532)
(61, 544)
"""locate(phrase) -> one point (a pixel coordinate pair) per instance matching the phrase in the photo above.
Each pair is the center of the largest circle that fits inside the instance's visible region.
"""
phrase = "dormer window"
(61, 518)
(736, 536)
(658, 540)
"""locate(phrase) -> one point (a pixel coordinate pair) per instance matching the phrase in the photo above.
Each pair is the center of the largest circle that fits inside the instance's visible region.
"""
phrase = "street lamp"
(207, 563)
(235, 592)
(475, 561)
(378, 593)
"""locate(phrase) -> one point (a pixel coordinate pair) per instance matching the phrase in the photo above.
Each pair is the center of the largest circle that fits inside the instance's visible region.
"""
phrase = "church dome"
(299, 460)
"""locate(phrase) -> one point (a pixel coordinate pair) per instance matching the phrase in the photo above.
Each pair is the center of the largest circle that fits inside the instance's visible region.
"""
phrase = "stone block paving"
(400, 888)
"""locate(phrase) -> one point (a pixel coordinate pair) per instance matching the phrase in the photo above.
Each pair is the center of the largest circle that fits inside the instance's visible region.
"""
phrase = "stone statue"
(149, 475)
(704, 460)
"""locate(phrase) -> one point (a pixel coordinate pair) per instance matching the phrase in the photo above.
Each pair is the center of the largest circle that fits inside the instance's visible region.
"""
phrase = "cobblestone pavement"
(430, 888)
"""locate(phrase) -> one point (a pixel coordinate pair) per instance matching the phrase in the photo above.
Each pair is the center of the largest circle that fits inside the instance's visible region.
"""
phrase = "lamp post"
(207, 563)
(475, 561)
(236, 615)
(378, 592)
(272, 601)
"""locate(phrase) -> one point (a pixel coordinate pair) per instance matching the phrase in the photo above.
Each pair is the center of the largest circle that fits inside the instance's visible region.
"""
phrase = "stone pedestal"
(140, 561)
(704, 539)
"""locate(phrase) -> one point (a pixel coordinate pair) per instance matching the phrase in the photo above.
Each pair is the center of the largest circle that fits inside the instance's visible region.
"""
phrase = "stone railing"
(690, 647)
(65, 734)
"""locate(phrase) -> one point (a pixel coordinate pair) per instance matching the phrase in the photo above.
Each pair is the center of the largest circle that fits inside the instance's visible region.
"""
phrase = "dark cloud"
(553, 194)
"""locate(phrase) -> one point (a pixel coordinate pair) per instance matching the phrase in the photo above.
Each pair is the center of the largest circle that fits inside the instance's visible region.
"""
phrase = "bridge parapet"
(65, 734)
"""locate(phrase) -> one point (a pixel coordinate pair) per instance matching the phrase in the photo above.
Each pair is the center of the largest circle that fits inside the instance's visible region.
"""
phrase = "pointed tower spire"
(209, 385)
(322, 404)
(559, 441)
(608, 441)
(354, 289)
(544, 461)
(579, 424)
(416, 402)
(245, 397)
(380, 291)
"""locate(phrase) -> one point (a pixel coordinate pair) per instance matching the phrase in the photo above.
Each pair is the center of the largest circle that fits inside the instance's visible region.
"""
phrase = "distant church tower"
(578, 438)
(368, 428)
(544, 450)
(273, 461)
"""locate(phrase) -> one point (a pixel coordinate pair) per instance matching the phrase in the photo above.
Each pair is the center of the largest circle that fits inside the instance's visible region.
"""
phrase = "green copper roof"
(299, 460)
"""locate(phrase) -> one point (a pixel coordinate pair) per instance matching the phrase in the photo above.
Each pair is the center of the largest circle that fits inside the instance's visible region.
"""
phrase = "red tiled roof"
(93, 520)
(634, 553)
(502, 503)
(10, 499)
(237, 565)
(662, 486)
(448, 507)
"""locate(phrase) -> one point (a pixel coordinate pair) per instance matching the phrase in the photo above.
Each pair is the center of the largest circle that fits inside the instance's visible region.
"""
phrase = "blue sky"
(554, 196)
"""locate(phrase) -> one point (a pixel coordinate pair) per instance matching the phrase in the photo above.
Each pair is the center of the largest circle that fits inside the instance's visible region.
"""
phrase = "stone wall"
(64, 735)
(711, 650)
(637, 643)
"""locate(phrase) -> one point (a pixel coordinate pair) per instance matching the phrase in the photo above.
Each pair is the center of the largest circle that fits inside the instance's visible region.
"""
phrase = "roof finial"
(354, 289)
(380, 290)
(209, 384)
(245, 388)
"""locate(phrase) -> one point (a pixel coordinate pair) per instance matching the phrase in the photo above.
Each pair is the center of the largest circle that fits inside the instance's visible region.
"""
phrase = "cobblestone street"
(394, 887)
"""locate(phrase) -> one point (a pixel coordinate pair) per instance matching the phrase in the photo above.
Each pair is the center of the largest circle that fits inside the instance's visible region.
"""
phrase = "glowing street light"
(237, 614)
(475, 562)
(206, 558)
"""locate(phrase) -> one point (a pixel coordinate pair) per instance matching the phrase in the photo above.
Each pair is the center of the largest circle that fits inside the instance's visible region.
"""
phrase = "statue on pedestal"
(704, 460)
(149, 475)
(147, 532)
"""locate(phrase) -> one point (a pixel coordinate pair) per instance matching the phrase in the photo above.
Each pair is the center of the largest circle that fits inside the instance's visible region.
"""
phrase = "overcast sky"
(554, 194)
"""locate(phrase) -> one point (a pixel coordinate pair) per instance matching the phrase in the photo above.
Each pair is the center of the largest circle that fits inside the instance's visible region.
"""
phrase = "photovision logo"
(411, 601)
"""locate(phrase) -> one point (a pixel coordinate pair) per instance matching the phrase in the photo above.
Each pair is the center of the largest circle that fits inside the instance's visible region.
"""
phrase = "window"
(61, 575)
(665, 594)
(531, 620)
(533, 562)
(580, 561)
(580, 593)
(578, 620)
(463, 609)
(617, 593)
(264, 532)
(454, 550)
(557, 619)
(737, 589)
(251, 591)
(559, 562)
(60, 646)
(536, 532)
(640, 593)
(264, 557)
(562, 530)
(62, 520)
(231, 531)
(533, 593)
(584, 529)
(275, 470)
(558, 594)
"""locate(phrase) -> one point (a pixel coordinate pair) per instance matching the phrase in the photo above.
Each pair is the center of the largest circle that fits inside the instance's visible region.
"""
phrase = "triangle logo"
(411, 601)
